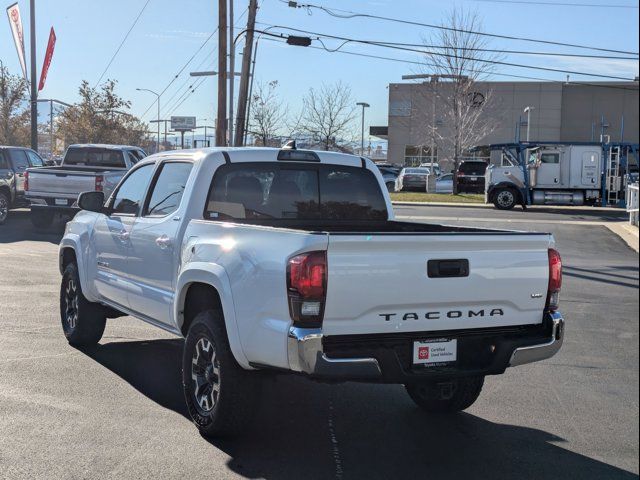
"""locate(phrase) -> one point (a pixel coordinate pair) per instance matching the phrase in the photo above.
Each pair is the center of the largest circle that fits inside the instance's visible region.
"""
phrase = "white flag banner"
(15, 20)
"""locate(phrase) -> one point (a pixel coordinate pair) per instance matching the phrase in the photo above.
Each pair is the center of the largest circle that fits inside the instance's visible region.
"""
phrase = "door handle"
(163, 242)
(123, 235)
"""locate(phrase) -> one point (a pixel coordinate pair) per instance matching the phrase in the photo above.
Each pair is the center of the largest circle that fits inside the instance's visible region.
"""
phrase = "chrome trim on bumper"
(305, 355)
(542, 351)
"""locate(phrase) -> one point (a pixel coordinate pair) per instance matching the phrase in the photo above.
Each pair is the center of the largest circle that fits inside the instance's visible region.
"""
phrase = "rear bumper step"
(387, 358)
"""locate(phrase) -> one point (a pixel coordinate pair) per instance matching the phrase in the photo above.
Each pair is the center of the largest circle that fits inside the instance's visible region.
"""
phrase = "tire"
(41, 220)
(505, 198)
(5, 203)
(391, 186)
(219, 393)
(429, 396)
(83, 322)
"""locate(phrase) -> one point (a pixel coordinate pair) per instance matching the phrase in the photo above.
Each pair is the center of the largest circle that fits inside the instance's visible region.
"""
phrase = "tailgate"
(380, 283)
(60, 182)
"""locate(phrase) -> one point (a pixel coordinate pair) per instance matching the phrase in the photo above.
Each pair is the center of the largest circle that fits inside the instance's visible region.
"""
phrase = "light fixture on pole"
(527, 110)
(363, 105)
(158, 97)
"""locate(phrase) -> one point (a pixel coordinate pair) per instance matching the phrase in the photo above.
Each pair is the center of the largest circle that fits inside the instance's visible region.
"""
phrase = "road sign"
(183, 123)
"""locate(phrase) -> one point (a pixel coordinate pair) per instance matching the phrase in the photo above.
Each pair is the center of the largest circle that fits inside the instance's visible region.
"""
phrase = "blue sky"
(169, 32)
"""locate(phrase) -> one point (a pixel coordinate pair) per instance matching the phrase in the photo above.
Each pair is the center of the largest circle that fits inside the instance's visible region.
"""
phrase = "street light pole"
(527, 110)
(158, 97)
(34, 74)
(363, 105)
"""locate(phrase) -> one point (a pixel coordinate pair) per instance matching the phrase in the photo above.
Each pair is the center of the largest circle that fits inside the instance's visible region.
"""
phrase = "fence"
(632, 203)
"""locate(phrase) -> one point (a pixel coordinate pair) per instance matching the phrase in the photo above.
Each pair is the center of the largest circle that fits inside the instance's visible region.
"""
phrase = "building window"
(400, 108)
(415, 155)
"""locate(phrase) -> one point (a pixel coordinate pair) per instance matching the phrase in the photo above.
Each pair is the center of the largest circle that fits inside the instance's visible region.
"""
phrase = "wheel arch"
(203, 287)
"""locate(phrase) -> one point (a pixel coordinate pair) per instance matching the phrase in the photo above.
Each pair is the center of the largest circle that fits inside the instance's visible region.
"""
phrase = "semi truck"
(553, 173)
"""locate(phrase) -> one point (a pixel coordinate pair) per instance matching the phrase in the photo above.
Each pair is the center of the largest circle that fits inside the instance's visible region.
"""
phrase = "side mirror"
(91, 201)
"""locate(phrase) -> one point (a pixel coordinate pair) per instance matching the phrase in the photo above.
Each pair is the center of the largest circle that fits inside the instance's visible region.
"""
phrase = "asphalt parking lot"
(117, 411)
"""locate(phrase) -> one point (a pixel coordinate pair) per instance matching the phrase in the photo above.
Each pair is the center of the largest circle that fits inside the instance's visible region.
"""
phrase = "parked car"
(14, 162)
(444, 183)
(53, 190)
(412, 178)
(436, 167)
(390, 175)
(281, 261)
(470, 176)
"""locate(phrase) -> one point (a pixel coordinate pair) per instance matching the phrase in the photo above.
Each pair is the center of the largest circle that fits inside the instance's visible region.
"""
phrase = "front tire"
(450, 397)
(5, 203)
(219, 393)
(505, 198)
(83, 322)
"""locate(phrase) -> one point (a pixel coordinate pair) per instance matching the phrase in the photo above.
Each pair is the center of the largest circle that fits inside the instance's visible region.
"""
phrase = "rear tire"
(5, 203)
(219, 393)
(429, 396)
(505, 198)
(83, 322)
(41, 220)
(391, 186)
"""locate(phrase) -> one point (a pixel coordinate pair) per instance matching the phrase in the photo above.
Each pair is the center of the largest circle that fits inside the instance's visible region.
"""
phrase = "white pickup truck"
(85, 167)
(272, 260)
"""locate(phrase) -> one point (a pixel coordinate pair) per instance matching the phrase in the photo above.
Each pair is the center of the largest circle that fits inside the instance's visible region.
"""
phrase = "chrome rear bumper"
(542, 351)
(306, 356)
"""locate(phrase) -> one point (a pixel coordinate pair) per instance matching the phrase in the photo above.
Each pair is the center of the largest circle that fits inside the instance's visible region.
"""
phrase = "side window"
(34, 159)
(130, 192)
(168, 189)
(3, 161)
(133, 158)
(550, 158)
(19, 160)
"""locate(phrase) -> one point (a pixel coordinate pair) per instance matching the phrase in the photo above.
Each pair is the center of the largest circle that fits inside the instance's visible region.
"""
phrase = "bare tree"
(267, 114)
(328, 114)
(457, 54)
(14, 111)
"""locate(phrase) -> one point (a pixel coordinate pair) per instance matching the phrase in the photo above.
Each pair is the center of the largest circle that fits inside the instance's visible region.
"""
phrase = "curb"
(626, 232)
(530, 207)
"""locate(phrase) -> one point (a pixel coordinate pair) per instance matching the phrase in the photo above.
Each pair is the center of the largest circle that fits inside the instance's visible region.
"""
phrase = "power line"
(560, 4)
(459, 57)
(122, 43)
(175, 77)
(423, 64)
(346, 14)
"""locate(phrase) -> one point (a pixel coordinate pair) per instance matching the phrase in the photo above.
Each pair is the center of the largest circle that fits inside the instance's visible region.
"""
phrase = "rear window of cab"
(282, 191)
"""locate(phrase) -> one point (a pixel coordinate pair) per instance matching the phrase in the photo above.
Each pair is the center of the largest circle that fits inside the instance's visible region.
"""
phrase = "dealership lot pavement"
(117, 411)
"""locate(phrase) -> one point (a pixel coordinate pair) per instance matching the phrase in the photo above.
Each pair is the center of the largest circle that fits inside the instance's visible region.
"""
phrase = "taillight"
(99, 186)
(26, 181)
(555, 280)
(307, 288)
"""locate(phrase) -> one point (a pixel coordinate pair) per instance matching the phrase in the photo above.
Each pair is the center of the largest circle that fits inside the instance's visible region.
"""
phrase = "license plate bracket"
(437, 352)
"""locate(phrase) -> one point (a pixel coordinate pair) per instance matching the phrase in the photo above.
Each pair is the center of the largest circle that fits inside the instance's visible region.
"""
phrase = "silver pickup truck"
(89, 167)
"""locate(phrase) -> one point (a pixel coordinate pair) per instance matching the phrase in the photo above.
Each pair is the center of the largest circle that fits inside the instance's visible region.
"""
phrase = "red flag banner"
(47, 58)
(13, 12)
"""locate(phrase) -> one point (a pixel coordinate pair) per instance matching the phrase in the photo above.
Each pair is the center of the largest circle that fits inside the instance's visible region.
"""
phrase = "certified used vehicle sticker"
(433, 353)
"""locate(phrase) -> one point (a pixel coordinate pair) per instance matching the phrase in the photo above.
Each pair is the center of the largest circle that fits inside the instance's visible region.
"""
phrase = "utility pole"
(34, 75)
(244, 79)
(222, 74)
(232, 77)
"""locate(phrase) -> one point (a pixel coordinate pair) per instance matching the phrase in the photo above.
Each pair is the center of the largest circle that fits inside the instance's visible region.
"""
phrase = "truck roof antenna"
(290, 145)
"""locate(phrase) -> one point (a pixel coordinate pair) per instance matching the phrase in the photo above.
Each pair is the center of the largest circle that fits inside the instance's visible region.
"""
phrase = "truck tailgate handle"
(448, 268)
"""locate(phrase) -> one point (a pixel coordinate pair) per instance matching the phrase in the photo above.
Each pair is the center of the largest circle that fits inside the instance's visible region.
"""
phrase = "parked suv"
(470, 175)
(14, 161)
